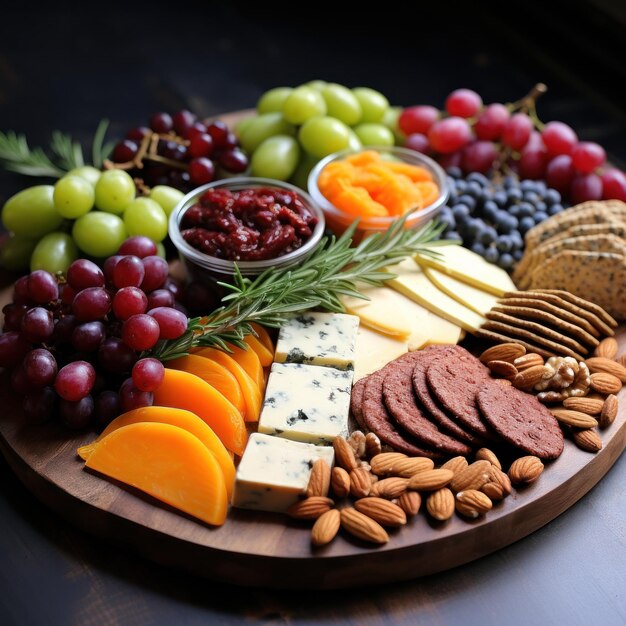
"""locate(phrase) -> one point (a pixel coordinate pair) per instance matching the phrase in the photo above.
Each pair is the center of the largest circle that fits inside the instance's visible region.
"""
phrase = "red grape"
(182, 121)
(42, 287)
(586, 187)
(39, 405)
(451, 160)
(137, 134)
(37, 325)
(158, 297)
(20, 291)
(613, 185)
(532, 163)
(588, 156)
(198, 128)
(82, 274)
(174, 287)
(13, 314)
(418, 142)
(449, 135)
(63, 329)
(124, 151)
(107, 407)
(155, 273)
(201, 145)
(233, 160)
(148, 374)
(559, 138)
(128, 272)
(172, 323)
(87, 337)
(139, 246)
(129, 301)
(141, 332)
(517, 131)
(75, 380)
(109, 266)
(115, 356)
(560, 173)
(67, 295)
(479, 156)
(463, 103)
(219, 132)
(417, 119)
(91, 304)
(40, 367)
(161, 123)
(133, 398)
(491, 122)
(77, 415)
(201, 171)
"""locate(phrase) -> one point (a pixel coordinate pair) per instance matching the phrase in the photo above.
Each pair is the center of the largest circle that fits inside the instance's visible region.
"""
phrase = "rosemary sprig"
(333, 269)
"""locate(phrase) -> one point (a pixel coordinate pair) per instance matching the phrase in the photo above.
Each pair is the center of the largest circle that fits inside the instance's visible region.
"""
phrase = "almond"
(485, 454)
(474, 476)
(356, 441)
(455, 464)
(382, 463)
(526, 469)
(493, 491)
(440, 504)
(602, 364)
(587, 439)
(344, 455)
(408, 467)
(529, 377)
(325, 528)
(310, 508)
(389, 487)
(472, 503)
(607, 348)
(503, 352)
(498, 476)
(372, 445)
(622, 359)
(360, 483)
(504, 382)
(410, 502)
(603, 382)
(382, 511)
(362, 526)
(528, 360)
(609, 411)
(319, 481)
(574, 418)
(590, 406)
(430, 480)
(502, 368)
(340, 482)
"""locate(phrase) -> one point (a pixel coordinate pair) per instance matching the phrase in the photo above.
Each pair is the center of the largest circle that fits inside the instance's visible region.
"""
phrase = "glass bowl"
(338, 220)
(208, 269)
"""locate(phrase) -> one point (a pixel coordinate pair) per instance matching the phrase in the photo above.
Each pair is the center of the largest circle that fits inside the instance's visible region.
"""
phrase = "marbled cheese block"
(306, 402)
(318, 339)
(274, 472)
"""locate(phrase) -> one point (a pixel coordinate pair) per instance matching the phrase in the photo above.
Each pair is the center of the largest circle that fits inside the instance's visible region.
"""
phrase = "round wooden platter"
(270, 550)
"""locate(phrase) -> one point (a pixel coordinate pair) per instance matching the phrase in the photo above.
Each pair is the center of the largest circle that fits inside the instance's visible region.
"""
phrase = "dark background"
(66, 66)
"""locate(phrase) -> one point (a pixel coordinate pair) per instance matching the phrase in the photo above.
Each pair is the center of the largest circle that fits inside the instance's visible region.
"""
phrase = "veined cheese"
(470, 268)
(473, 298)
(318, 339)
(306, 402)
(374, 350)
(274, 472)
(413, 283)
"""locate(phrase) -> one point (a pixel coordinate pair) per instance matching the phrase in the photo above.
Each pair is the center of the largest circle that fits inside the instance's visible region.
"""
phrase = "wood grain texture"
(44, 459)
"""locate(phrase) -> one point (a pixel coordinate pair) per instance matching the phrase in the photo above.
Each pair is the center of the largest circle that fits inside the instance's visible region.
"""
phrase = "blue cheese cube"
(274, 473)
(306, 402)
(318, 339)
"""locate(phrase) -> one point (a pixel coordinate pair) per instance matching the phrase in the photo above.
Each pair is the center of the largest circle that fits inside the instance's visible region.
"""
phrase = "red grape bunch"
(511, 138)
(74, 346)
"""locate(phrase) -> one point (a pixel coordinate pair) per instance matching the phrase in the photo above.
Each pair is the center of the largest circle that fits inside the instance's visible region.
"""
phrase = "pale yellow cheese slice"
(438, 330)
(413, 283)
(471, 268)
(374, 350)
(469, 296)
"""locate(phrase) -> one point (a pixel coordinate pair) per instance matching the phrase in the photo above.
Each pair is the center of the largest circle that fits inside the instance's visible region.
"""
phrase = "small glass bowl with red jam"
(256, 223)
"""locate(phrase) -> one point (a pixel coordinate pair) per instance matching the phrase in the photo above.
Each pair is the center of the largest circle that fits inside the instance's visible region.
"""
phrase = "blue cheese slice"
(306, 403)
(318, 339)
(274, 472)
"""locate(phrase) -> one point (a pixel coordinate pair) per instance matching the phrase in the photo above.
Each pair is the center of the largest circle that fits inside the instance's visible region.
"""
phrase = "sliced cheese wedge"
(473, 298)
(439, 331)
(413, 283)
(470, 268)
(374, 350)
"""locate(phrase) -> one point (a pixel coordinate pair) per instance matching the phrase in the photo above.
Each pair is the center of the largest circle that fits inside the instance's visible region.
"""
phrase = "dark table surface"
(66, 67)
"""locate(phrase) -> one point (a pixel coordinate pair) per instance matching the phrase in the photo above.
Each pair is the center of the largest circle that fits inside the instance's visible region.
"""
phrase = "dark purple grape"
(115, 356)
(42, 287)
(107, 407)
(13, 314)
(159, 297)
(77, 415)
(37, 325)
(40, 367)
(63, 329)
(20, 291)
(40, 405)
(13, 348)
(133, 398)
(19, 381)
(87, 337)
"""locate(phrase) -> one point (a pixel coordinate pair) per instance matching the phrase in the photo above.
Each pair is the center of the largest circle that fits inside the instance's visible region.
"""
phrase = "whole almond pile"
(369, 491)
(582, 395)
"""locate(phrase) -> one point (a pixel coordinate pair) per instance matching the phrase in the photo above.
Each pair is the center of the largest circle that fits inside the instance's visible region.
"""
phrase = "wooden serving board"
(270, 550)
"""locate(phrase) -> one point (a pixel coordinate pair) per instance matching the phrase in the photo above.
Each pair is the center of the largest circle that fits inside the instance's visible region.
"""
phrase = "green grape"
(374, 135)
(241, 125)
(99, 234)
(115, 190)
(263, 127)
(342, 104)
(300, 177)
(15, 253)
(373, 104)
(354, 143)
(73, 196)
(31, 213)
(161, 250)
(166, 197)
(302, 104)
(277, 157)
(390, 120)
(272, 101)
(321, 136)
(144, 216)
(318, 85)
(88, 172)
(54, 253)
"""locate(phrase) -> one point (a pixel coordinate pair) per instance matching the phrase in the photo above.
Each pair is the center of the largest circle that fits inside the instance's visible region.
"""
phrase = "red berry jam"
(248, 225)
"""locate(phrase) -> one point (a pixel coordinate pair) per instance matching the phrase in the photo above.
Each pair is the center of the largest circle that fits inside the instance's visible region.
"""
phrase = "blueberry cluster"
(492, 218)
